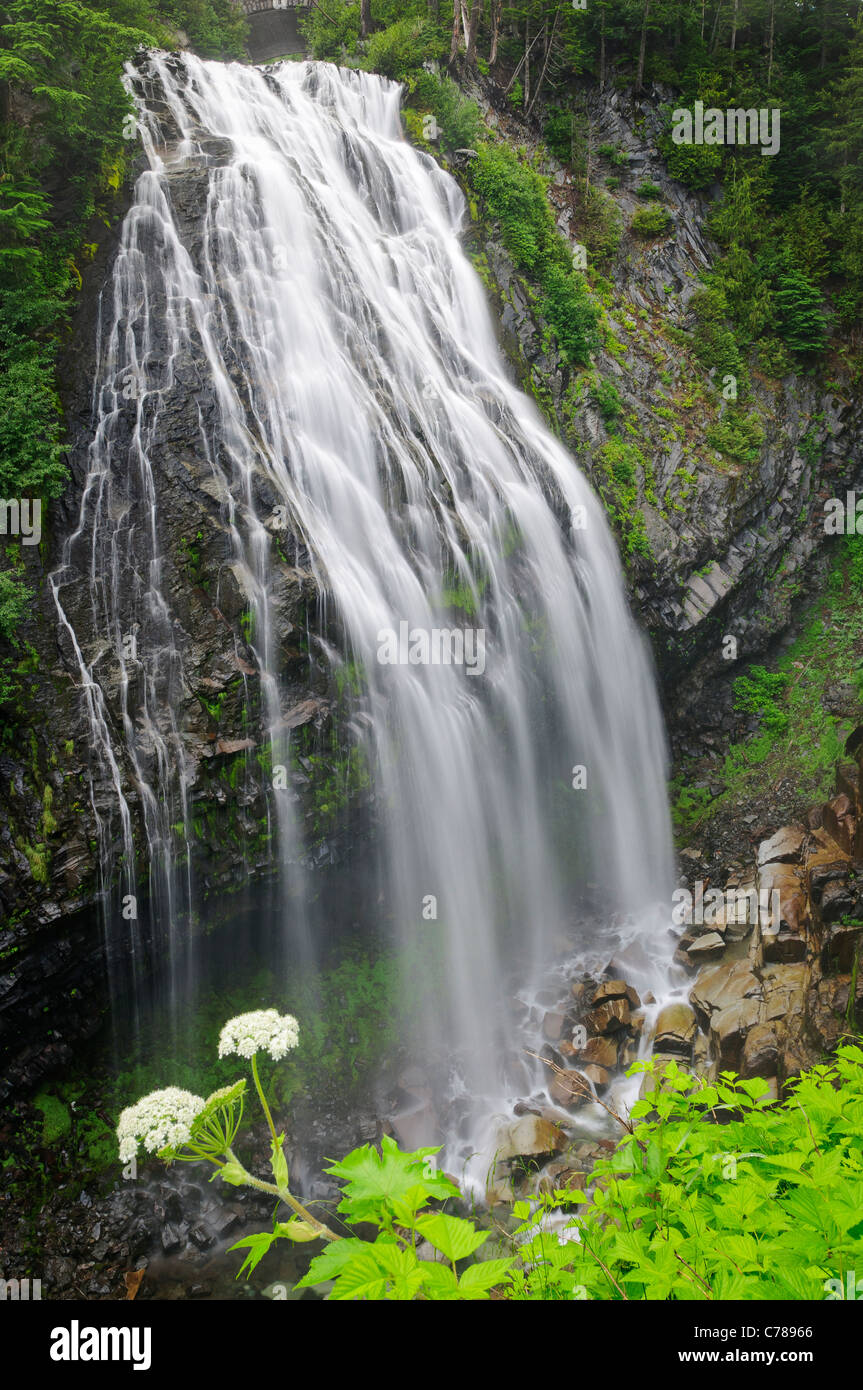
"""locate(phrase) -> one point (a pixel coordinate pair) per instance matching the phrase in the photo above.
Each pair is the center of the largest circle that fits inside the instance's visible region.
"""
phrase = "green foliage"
(695, 166)
(332, 33)
(714, 342)
(737, 436)
(458, 119)
(392, 1190)
(514, 195)
(805, 753)
(799, 307)
(622, 462)
(57, 1122)
(616, 156)
(607, 398)
(649, 191)
(758, 693)
(557, 133)
(650, 222)
(764, 1204)
(14, 600)
(400, 49)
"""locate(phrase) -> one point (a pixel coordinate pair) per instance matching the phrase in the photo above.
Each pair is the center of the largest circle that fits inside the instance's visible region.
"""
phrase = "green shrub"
(758, 693)
(614, 155)
(650, 222)
(799, 305)
(56, 1121)
(401, 49)
(773, 357)
(570, 311)
(332, 36)
(514, 195)
(716, 1194)
(557, 134)
(599, 225)
(458, 118)
(621, 462)
(714, 342)
(607, 398)
(649, 191)
(737, 436)
(695, 166)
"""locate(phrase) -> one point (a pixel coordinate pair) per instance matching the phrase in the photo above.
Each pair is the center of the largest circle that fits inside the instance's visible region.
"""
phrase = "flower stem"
(289, 1199)
(263, 1098)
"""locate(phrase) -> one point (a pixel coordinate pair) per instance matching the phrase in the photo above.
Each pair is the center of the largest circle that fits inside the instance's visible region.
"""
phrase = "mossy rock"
(57, 1121)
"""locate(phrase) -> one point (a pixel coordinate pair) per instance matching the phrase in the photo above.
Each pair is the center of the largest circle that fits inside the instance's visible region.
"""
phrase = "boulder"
(597, 1075)
(761, 1051)
(611, 989)
(601, 1051)
(609, 1017)
(559, 1176)
(568, 1088)
(676, 1027)
(728, 1031)
(528, 1135)
(706, 947)
(785, 847)
(552, 1026)
(719, 986)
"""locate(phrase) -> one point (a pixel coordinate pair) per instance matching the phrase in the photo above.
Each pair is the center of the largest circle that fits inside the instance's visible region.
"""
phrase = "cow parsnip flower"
(161, 1120)
(262, 1030)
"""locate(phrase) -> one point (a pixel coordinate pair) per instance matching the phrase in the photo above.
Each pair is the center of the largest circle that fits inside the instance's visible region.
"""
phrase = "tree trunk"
(734, 30)
(770, 42)
(602, 50)
(433, 11)
(456, 21)
(549, 47)
(496, 8)
(715, 32)
(365, 18)
(527, 48)
(643, 46)
(473, 29)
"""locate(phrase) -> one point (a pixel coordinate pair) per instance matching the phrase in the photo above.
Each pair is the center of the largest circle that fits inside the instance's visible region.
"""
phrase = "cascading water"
(363, 382)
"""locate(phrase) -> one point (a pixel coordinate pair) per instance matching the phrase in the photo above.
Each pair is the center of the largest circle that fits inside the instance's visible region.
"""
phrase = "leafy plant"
(650, 222)
(758, 693)
(716, 1192)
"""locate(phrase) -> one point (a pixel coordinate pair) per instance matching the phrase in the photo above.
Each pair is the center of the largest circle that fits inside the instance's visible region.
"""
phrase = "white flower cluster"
(158, 1120)
(262, 1030)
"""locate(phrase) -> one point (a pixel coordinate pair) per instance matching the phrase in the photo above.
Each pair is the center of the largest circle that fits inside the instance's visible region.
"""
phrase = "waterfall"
(353, 368)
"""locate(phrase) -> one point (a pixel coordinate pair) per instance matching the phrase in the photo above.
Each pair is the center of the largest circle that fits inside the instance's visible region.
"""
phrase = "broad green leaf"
(257, 1245)
(374, 1179)
(478, 1279)
(439, 1281)
(330, 1263)
(361, 1278)
(451, 1235)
